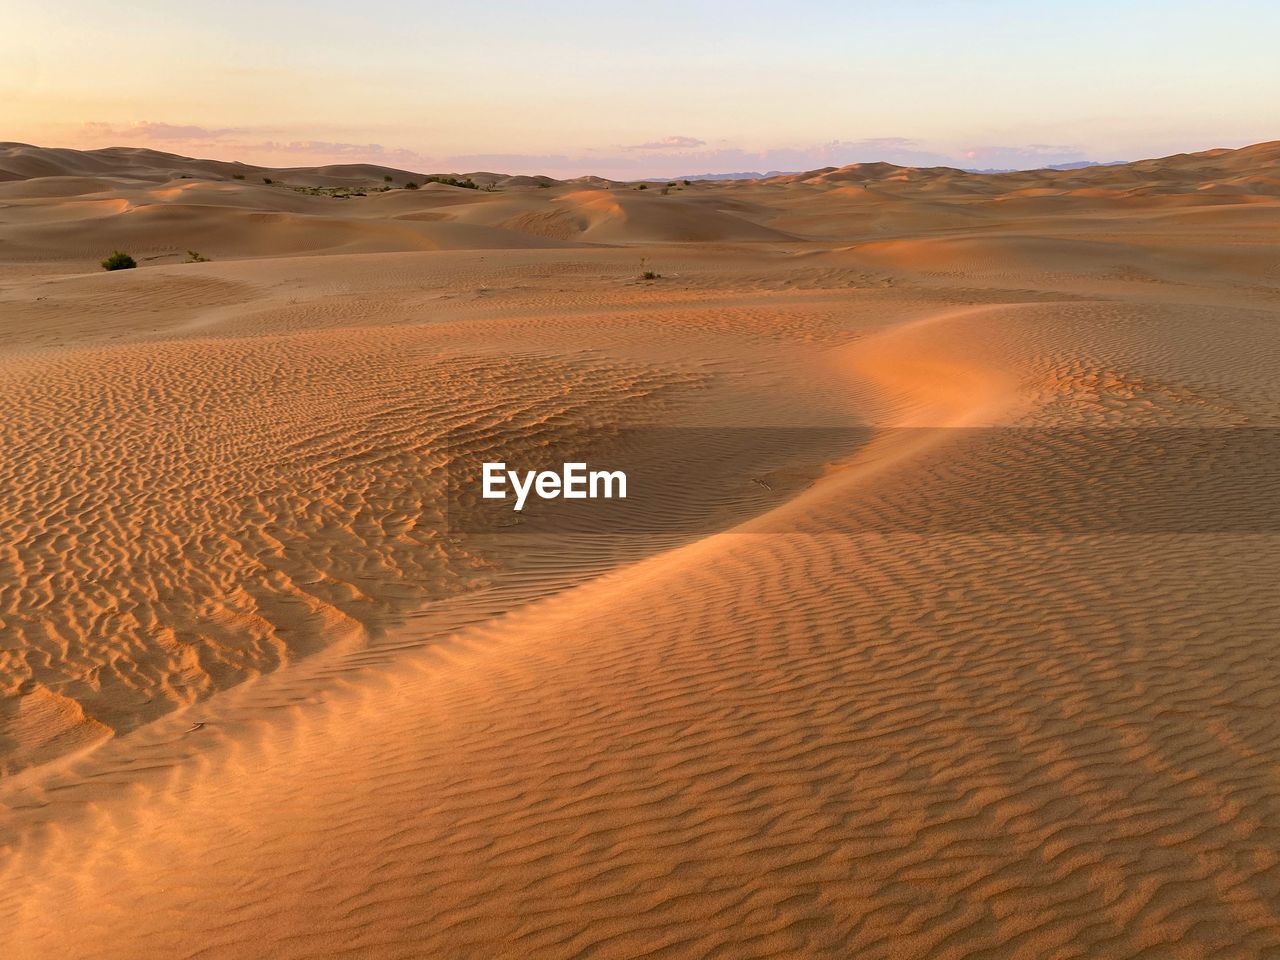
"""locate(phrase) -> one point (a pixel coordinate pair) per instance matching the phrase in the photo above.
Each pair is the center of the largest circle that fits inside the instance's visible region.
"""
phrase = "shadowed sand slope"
(918, 695)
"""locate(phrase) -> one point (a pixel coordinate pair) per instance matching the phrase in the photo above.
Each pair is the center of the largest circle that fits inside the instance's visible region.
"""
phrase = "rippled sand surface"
(934, 693)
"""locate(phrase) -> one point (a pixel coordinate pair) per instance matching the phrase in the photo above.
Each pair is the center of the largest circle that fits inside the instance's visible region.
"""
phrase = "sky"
(634, 90)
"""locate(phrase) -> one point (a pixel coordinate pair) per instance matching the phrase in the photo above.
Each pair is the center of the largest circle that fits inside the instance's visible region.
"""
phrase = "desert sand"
(896, 698)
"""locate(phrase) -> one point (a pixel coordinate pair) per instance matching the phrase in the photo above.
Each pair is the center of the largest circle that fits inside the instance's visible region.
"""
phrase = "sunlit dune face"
(597, 201)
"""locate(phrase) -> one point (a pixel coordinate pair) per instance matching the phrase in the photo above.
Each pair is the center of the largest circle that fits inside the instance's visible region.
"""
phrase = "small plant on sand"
(267, 180)
(237, 176)
(686, 183)
(643, 186)
(411, 185)
(646, 273)
(468, 183)
(386, 177)
(119, 261)
(193, 257)
(334, 193)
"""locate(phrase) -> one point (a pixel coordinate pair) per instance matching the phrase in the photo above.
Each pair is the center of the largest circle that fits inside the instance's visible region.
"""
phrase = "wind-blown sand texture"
(259, 700)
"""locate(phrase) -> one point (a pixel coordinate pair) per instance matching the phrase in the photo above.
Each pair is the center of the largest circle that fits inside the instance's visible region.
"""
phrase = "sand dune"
(162, 206)
(956, 677)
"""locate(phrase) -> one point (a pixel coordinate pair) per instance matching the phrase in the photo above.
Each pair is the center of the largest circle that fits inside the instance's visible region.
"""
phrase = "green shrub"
(468, 183)
(411, 185)
(687, 183)
(386, 177)
(267, 180)
(193, 257)
(119, 261)
(334, 193)
(643, 186)
(237, 176)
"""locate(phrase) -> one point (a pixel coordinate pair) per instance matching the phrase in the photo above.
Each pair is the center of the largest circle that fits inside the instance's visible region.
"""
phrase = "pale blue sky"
(661, 88)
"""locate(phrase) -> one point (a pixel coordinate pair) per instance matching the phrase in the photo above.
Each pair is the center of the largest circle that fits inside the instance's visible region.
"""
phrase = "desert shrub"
(237, 176)
(650, 275)
(119, 261)
(468, 183)
(267, 180)
(411, 185)
(193, 257)
(386, 177)
(334, 193)
(643, 186)
(686, 183)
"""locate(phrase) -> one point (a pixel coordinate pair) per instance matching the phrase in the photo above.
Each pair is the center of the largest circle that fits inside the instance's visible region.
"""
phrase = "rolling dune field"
(981, 663)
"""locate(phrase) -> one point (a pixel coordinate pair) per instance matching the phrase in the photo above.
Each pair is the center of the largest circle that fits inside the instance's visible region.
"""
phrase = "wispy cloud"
(669, 143)
(149, 130)
(550, 164)
(248, 145)
(342, 152)
(1025, 156)
(671, 156)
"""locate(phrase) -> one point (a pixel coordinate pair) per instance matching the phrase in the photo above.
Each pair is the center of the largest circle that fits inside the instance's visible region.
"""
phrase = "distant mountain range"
(744, 175)
(757, 175)
(1075, 165)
